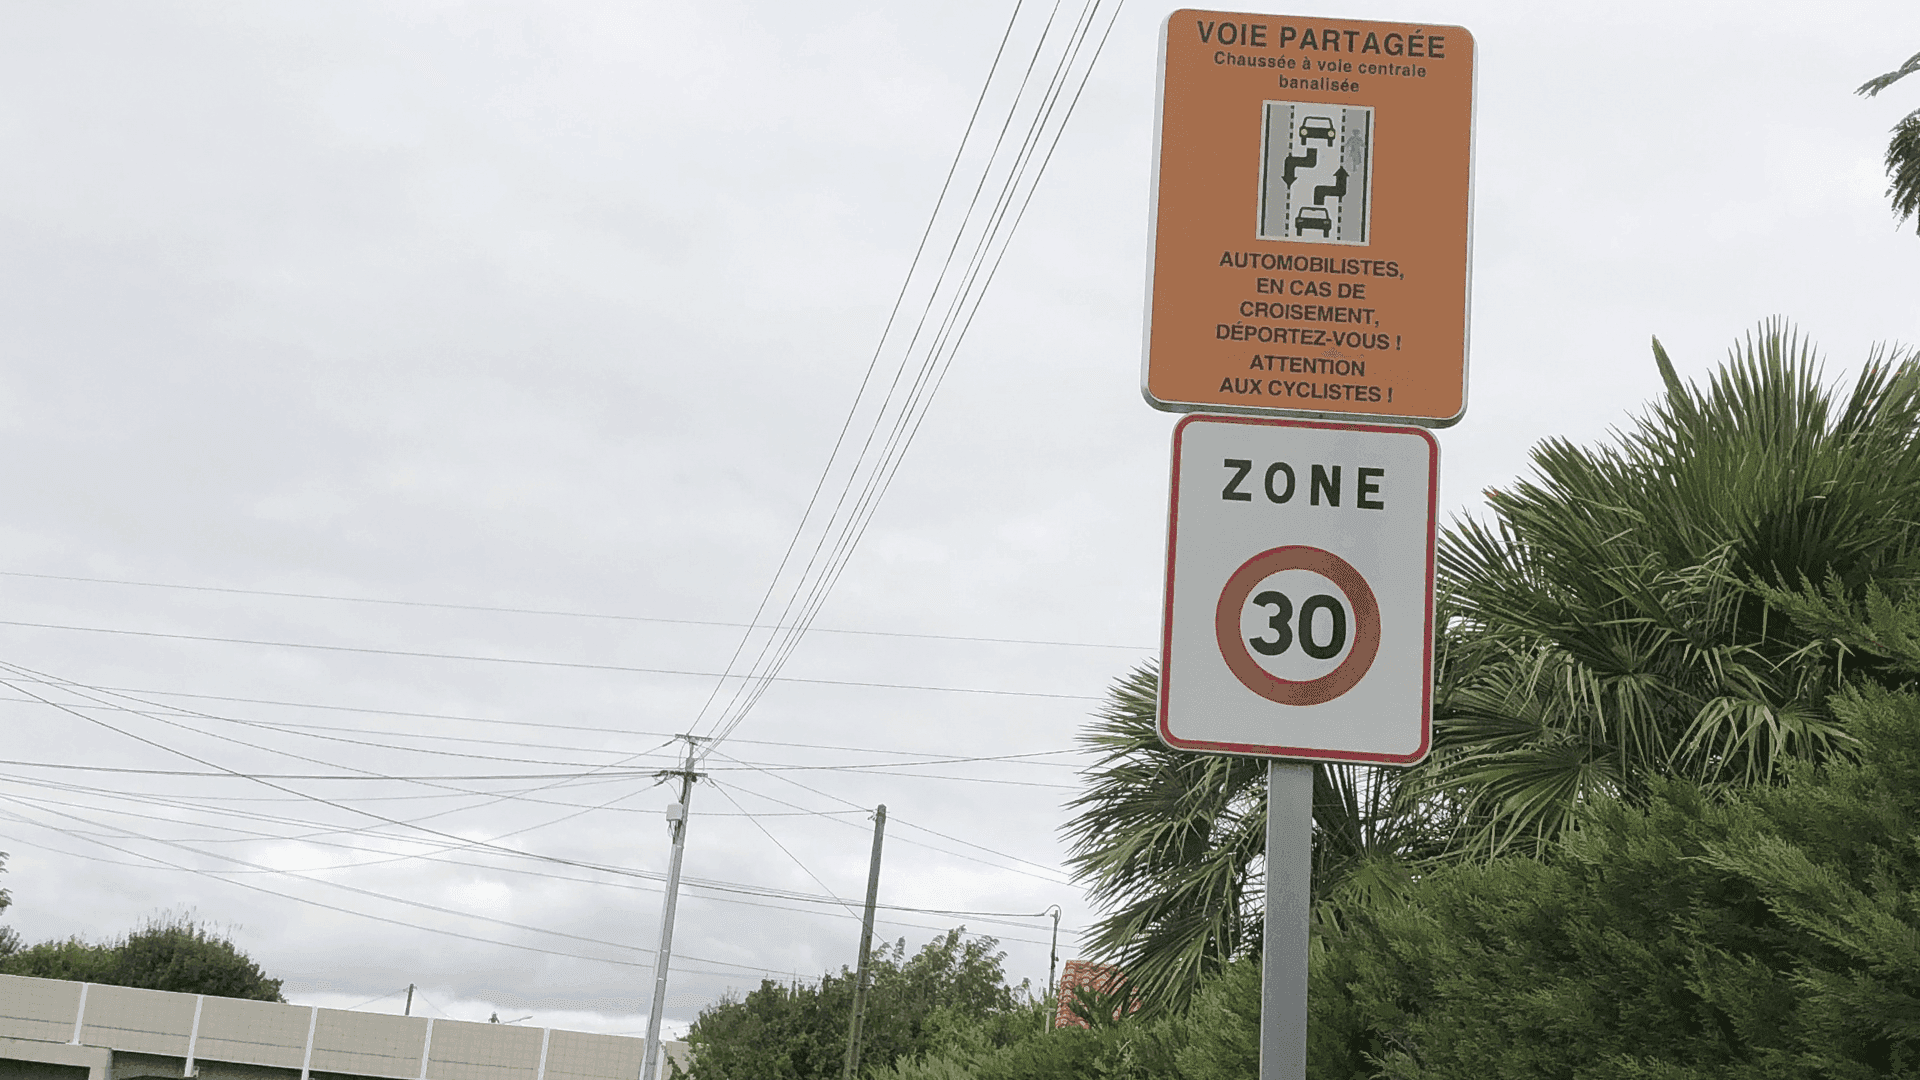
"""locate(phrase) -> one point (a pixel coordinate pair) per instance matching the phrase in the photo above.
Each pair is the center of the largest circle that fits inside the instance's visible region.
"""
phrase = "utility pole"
(677, 829)
(866, 943)
(409, 1011)
(1053, 964)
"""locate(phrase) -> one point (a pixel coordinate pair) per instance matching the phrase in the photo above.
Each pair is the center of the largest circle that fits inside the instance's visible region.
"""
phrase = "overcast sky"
(561, 306)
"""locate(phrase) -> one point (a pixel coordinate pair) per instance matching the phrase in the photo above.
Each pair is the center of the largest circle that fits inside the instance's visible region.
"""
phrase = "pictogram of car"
(1313, 217)
(1316, 127)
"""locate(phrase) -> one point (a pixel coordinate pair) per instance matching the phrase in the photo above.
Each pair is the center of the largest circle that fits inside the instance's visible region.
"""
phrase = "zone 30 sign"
(1299, 601)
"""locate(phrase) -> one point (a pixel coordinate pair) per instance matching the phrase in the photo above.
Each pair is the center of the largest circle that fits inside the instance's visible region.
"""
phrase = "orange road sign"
(1311, 219)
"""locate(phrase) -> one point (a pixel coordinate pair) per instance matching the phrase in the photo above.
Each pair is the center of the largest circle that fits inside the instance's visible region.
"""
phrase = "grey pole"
(677, 828)
(1053, 964)
(1283, 974)
(866, 943)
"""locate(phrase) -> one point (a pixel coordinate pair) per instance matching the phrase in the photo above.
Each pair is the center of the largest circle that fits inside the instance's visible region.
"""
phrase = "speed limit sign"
(1299, 596)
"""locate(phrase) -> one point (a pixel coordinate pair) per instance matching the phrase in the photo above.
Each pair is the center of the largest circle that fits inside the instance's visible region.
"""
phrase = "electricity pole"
(866, 943)
(1053, 964)
(677, 829)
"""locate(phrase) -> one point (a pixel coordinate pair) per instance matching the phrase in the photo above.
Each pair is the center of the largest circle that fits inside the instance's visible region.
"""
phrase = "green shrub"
(168, 953)
(952, 993)
(1775, 932)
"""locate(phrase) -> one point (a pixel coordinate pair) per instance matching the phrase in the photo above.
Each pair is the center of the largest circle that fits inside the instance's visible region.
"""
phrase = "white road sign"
(1299, 604)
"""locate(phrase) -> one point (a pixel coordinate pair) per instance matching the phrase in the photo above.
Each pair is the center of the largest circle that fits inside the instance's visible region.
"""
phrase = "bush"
(168, 953)
(1132, 1049)
(1774, 932)
(1223, 1027)
(951, 991)
(9, 939)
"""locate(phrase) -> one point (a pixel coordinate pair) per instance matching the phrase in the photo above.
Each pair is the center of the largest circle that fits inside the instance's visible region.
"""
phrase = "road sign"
(1310, 228)
(1299, 602)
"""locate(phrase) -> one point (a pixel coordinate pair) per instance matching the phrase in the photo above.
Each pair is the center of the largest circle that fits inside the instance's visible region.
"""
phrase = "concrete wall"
(55, 1030)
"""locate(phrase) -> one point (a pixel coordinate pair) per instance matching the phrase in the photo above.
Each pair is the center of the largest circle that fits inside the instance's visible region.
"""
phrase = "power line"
(866, 378)
(317, 729)
(382, 997)
(78, 690)
(258, 868)
(429, 778)
(912, 411)
(784, 850)
(311, 880)
(892, 449)
(309, 901)
(253, 835)
(810, 588)
(733, 890)
(844, 802)
(1023, 758)
(920, 844)
(888, 469)
(464, 718)
(459, 843)
(199, 798)
(238, 774)
(458, 840)
(575, 665)
(231, 590)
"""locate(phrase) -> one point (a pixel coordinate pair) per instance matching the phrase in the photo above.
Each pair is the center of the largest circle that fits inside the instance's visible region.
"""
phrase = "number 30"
(1283, 635)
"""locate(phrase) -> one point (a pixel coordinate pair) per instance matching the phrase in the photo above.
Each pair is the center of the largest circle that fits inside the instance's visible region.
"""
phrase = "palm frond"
(1873, 86)
(1620, 610)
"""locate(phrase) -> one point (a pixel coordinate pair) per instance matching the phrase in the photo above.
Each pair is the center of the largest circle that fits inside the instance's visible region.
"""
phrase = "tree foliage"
(1166, 840)
(1772, 933)
(9, 938)
(1613, 624)
(170, 952)
(1173, 843)
(1217, 1039)
(1130, 1050)
(799, 1031)
(1903, 150)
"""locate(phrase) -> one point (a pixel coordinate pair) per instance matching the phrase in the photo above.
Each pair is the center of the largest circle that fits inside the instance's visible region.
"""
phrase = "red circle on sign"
(1233, 647)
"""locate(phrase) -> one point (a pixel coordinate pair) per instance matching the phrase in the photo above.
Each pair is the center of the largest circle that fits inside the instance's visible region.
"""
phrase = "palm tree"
(1172, 843)
(1613, 623)
(1167, 842)
(1609, 624)
(1903, 151)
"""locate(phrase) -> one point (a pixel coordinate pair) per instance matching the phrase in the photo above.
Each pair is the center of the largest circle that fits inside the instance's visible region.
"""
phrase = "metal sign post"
(1283, 959)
